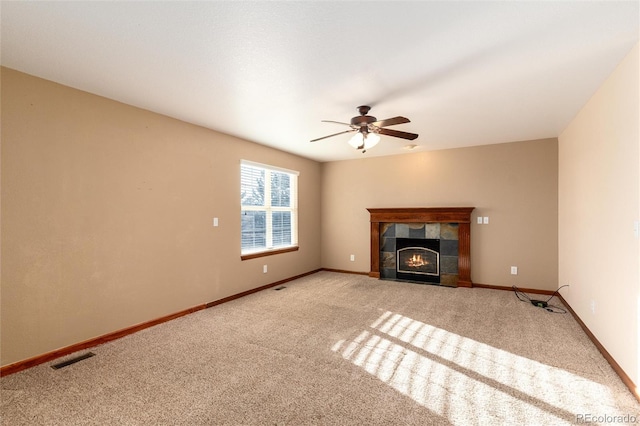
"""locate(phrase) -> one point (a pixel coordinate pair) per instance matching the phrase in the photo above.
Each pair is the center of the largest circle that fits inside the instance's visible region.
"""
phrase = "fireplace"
(418, 260)
(420, 252)
(451, 226)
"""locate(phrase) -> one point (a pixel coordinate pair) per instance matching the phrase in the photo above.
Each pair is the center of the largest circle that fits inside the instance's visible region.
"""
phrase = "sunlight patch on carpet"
(454, 376)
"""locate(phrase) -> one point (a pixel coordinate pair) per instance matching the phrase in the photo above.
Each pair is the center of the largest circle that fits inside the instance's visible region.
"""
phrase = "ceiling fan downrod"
(364, 109)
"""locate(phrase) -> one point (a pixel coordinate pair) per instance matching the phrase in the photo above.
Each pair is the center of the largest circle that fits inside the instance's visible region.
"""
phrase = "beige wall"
(599, 191)
(107, 216)
(514, 184)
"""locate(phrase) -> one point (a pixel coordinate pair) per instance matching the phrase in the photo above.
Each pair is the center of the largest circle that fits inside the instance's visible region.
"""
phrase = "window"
(269, 199)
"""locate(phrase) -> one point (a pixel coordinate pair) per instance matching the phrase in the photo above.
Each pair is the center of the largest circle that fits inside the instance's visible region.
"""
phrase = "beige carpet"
(336, 349)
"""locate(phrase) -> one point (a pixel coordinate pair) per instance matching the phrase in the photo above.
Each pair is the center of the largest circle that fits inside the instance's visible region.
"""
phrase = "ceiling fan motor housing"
(363, 119)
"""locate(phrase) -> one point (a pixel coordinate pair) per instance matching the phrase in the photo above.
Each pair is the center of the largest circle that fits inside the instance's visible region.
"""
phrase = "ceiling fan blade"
(336, 122)
(391, 121)
(335, 134)
(397, 134)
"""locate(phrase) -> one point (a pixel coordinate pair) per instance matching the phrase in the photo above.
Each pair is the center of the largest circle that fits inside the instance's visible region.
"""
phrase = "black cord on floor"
(523, 297)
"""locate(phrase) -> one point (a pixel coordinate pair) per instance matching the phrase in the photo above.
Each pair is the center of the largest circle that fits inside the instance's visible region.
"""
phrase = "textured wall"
(599, 192)
(514, 184)
(107, 216)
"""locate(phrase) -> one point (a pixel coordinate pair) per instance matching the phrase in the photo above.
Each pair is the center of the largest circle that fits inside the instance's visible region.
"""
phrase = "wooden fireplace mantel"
(459, 215)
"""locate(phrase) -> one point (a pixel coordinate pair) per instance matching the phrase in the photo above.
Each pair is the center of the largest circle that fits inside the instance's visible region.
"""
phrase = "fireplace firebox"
(418, 259)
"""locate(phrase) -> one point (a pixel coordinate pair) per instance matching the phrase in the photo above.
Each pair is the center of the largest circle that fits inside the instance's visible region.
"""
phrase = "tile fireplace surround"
(456, 215)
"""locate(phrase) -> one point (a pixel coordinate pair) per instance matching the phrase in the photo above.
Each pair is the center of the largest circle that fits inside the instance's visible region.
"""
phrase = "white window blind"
(269, 207)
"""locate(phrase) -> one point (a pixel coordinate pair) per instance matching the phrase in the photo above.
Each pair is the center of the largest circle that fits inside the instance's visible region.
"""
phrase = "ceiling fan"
(369, 128)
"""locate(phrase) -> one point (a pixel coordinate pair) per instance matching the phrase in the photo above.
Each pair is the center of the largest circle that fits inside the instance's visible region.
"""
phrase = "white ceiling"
(464, 73)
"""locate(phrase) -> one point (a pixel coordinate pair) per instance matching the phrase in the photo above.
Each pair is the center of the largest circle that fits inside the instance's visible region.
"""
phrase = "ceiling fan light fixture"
(370, 140)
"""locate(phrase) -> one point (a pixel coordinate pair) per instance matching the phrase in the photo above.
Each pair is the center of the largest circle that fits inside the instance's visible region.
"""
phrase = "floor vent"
(72, 361)
(279, 288)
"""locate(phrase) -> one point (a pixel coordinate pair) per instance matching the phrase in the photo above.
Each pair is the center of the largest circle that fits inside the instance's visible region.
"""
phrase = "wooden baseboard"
(525, 290)
(616, 367)
(255, 290)
(344, 271)
(50, 356)
(612, 362)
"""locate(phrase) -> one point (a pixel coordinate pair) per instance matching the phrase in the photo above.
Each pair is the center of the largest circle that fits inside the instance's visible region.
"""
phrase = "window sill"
(268, 253)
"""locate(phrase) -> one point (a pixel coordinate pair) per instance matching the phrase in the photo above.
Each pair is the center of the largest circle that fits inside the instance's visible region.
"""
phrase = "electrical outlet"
(264, 269)
(593, 306)
(215, 221)
(514, 270)
(353, 257)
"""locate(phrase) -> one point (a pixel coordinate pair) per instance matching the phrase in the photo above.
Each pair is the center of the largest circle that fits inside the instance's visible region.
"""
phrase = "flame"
(416, 261)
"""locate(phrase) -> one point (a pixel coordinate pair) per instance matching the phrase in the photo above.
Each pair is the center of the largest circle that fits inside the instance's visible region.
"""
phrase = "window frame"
(269, 209)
